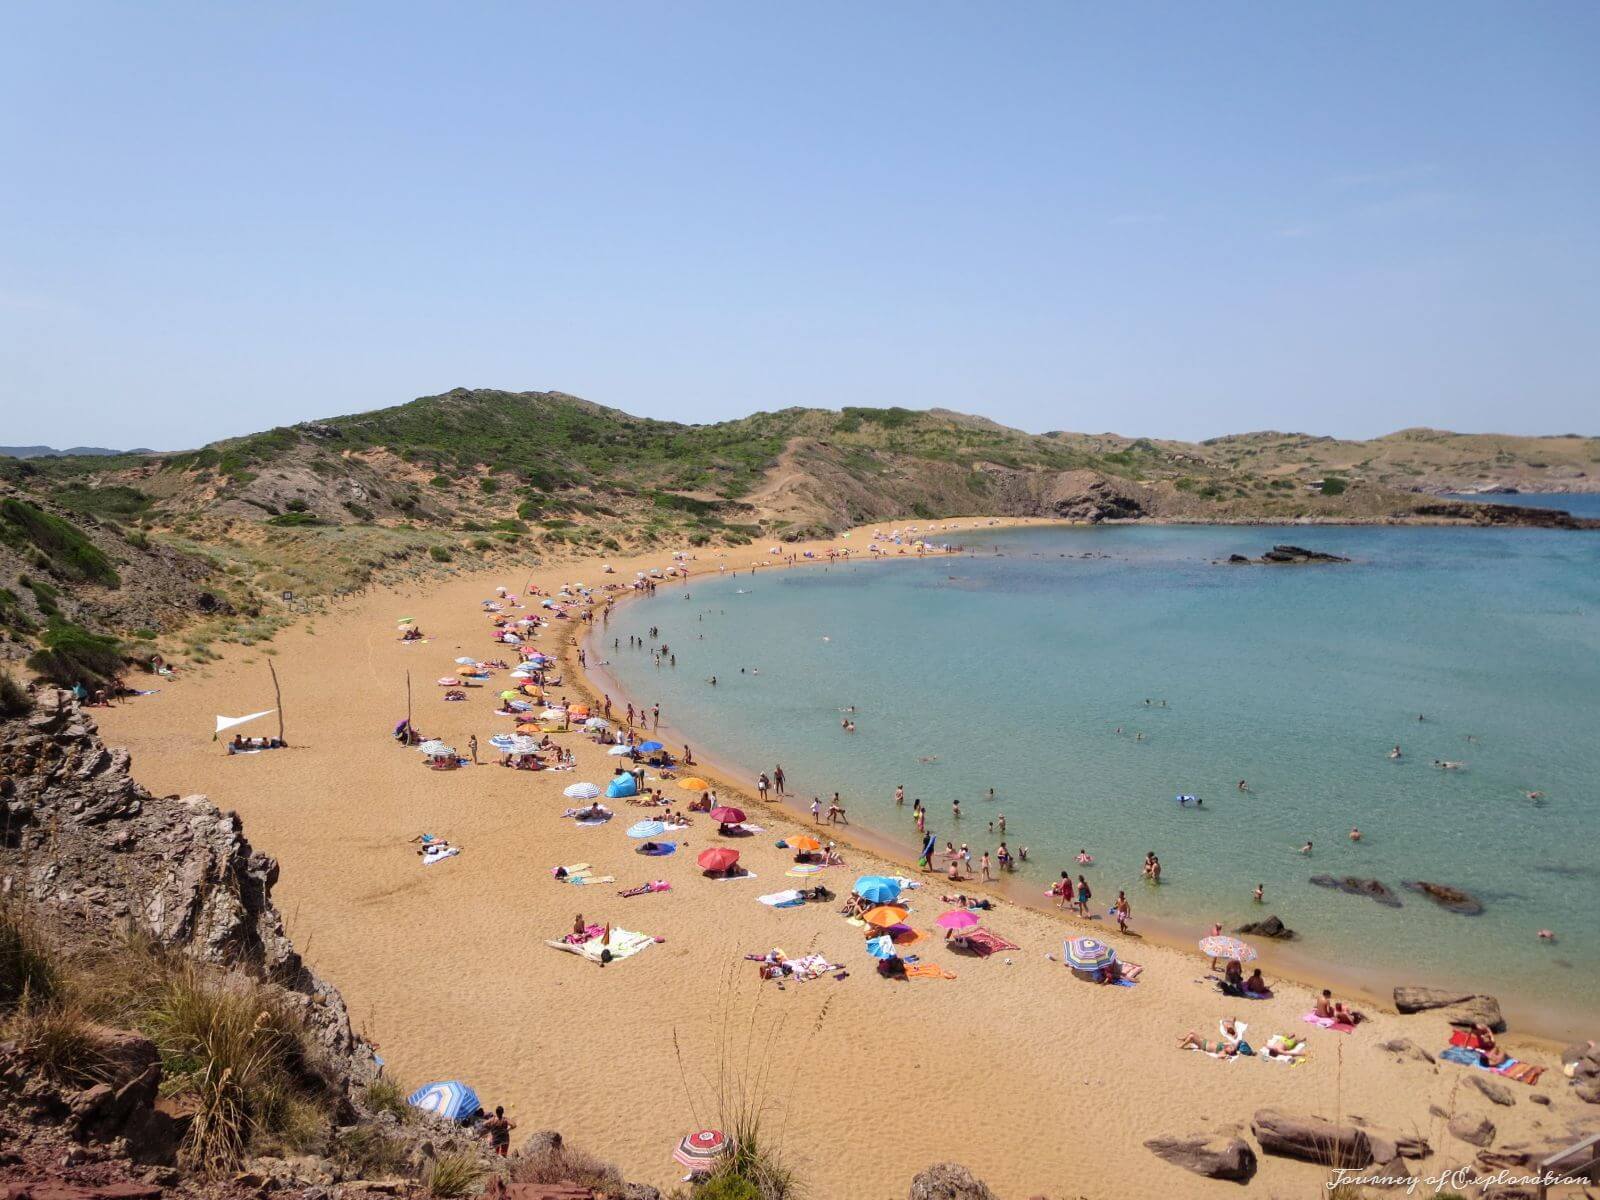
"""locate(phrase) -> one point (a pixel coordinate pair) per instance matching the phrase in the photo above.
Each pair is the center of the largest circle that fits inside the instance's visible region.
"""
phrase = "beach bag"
(1244, 1048)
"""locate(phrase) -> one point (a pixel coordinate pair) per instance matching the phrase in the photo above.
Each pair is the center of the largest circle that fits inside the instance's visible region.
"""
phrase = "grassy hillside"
(321, 507)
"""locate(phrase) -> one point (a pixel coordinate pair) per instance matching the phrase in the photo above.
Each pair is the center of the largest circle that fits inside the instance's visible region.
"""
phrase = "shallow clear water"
(1016, 669)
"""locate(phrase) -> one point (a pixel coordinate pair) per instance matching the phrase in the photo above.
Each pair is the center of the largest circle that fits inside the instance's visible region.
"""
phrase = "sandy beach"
(1039, 1082)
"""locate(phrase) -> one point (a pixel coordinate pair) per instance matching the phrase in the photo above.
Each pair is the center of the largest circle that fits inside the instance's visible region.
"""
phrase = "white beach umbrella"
(582, 791)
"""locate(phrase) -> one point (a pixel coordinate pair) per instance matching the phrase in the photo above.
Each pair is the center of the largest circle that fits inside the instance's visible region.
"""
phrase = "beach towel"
(922, 970)
(432, 856)
(623, 944)
(1311, 1018)
(986, 943)
(1132, 971)
(787, 899)
(812, 966)
(580, 880)
(1521, 1072)
(657, 849)
(746, 875)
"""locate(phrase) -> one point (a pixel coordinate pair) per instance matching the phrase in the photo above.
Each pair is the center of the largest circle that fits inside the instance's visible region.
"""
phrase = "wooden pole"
(277, 693)
(408, 708)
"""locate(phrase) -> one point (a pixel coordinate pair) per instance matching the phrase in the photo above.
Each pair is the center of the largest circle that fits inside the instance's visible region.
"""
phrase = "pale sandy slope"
(1038, 1082)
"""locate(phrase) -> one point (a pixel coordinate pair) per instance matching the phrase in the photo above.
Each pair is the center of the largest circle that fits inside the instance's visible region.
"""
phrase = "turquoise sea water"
(1014, 665)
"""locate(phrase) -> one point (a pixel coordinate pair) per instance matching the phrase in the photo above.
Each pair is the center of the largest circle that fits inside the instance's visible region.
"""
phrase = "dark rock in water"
(1214, 1155)
(1373, 889)
(1286, 555)
(949, 1181)
(1270, 928)
(1445, 896)
(1311, 1139)
(1463, 1008)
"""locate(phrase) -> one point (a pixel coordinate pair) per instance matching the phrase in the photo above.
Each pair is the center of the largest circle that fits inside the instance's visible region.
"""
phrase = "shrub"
(293, 519)
(452, 1175)
(14, 698)
(65, 552)
(56, 1038)
(367, 1152)
(562, 1164)
(71, 654)
(241, 1058)
(1333, 486)
(385, 1095)
(440, 554)
(27, 968)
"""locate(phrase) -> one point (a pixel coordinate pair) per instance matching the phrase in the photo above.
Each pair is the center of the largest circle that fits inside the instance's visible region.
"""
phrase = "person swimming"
(1395, 753)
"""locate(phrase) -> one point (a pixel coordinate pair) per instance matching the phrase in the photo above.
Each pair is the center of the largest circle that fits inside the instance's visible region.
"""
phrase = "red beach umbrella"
(717, 858)
(728, 816)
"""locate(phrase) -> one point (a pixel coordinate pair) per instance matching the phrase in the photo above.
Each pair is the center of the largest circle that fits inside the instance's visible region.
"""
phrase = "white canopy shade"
(230, 722)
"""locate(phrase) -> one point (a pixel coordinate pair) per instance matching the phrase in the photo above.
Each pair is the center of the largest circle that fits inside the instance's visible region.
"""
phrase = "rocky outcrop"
(1286, 555)
(1445, 896)
(948, 1181)
(1462, 1008)
(1214, 1155)
(1270, 928)
(97, 854)
(1311, 1139)
(1373, 889)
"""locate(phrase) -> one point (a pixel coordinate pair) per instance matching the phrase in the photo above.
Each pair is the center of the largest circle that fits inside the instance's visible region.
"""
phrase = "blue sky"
(1175, 220)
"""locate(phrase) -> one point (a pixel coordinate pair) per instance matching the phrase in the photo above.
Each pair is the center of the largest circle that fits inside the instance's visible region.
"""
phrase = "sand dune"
(1040, 1083)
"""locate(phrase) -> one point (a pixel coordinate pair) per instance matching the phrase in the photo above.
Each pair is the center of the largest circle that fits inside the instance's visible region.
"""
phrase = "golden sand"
(1037, 1081)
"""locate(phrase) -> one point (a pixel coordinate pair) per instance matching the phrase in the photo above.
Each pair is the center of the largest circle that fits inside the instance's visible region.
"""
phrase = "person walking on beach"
(472, 748)
(761, 785)
(655, 716)
(1123, 910)
(498, 1130)
(983, 866)
(966, 858)
(1084, 896)
(816, 809)
(779, 779)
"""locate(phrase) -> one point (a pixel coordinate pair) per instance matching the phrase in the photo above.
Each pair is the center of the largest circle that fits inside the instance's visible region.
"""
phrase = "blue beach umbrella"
(877, 888)
(646, 829)
(647, 747)
(1087, 953)
(881, 947)
(453, 1100)
(502, 741)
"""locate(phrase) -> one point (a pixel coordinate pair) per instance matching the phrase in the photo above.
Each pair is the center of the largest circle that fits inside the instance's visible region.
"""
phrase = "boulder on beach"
(1497, 1092)
(1311, 1139)
(948, 1181)
(1445, 896)
(1472, 1128)
(1373, 889)
(1270, 928)
(1214, 1155)
(1405, 1048)
(1462, 1008)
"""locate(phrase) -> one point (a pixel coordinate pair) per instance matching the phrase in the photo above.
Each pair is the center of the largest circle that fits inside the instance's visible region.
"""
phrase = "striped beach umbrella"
(582, 791)
(503, 742)
(1087, 953)
(1218, 946)
(435, 749)
(700, 1151)
(646, 829)
(453, 1100)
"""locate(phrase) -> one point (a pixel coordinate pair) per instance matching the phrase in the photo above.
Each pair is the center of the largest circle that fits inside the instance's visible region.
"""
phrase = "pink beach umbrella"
(957, 918)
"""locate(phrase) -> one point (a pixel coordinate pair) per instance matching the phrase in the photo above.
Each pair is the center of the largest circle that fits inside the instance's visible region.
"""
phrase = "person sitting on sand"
(1489, 1052)
(1233, 979)
(1256, 985)
(1330, 1009)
